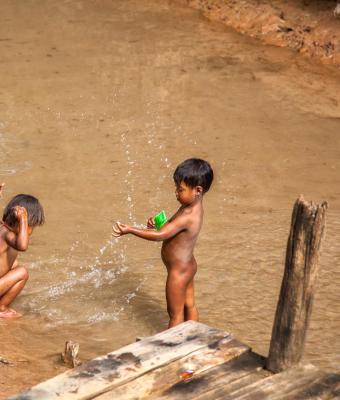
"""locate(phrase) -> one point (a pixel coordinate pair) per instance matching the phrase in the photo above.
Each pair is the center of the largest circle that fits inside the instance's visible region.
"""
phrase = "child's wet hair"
(35, 212)
(194, 172)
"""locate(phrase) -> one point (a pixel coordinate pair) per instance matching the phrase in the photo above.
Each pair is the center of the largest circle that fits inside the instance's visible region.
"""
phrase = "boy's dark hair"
(35, 212)
(194, 172)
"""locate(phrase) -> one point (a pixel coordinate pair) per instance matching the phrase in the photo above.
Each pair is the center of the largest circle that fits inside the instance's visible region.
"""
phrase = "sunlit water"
(99, 101)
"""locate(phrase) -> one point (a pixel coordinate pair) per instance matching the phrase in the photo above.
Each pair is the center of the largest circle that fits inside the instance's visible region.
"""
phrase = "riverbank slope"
(307, 26)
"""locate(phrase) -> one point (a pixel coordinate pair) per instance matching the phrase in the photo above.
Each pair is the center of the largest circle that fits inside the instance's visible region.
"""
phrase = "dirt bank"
(307, 26)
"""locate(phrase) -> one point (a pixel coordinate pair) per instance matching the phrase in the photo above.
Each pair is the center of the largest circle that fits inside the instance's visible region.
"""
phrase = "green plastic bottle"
(160, 220)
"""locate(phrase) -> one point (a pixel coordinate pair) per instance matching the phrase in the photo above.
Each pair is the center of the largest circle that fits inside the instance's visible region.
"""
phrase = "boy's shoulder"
(187, 211)
(4, 233)
(191, 213)
(3, 242)
(183, 214)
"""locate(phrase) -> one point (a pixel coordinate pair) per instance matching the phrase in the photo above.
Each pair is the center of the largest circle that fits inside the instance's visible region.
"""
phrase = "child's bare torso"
(178, 251)
(8, 255)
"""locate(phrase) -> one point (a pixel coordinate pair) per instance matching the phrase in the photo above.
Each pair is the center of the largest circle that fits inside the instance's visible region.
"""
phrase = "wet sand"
(99, 101)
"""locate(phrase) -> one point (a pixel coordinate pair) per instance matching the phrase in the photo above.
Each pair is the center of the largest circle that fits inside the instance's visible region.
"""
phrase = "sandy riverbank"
(307, 26)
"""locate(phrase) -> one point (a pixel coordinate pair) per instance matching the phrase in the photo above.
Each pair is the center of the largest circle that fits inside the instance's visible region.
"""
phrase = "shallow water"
(99, 101)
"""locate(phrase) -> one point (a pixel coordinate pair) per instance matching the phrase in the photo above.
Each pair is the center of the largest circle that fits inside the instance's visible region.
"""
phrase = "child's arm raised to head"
(19, 241)
(169, 230)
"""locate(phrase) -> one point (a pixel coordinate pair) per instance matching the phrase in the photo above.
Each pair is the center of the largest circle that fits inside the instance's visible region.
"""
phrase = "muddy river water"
(99, 101)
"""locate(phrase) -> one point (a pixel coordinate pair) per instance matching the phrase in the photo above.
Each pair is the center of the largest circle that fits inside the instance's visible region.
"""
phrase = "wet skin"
(179, 236)
(13, 277)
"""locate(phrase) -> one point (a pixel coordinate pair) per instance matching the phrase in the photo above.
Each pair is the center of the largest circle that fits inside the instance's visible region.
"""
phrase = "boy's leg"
(176, 285)
(190, 310)
(11, 285)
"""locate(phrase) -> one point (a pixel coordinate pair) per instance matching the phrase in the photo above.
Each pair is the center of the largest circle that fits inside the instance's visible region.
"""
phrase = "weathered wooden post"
(297, 289)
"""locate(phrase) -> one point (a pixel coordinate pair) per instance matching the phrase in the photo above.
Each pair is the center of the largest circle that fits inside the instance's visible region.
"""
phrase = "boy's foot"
(9, 313)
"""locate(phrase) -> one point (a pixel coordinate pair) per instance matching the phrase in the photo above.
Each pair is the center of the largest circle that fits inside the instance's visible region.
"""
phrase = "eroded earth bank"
(307, 26)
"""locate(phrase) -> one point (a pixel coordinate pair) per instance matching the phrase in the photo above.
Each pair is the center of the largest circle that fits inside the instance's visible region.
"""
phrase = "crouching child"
(21, 215)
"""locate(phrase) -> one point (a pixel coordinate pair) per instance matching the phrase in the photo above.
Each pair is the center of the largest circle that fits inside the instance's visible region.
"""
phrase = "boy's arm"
(19, 241)
(167, 231)
(1, 188)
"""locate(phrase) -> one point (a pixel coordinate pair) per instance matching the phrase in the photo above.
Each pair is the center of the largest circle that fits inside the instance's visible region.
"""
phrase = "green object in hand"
(160, 220)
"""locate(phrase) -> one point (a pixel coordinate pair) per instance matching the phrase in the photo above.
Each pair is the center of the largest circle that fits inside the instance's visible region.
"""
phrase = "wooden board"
(236, 381)
(327, 387)
(105, 373)
(164, 378)
(284, 386)
(243, 370)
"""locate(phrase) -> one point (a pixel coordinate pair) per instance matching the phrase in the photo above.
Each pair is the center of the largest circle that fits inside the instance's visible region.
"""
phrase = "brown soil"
(307, 26)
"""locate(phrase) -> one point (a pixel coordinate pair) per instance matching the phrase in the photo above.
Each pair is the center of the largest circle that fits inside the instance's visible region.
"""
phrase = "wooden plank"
(300, 383)
(239, 388)
(243, 370)
(241, 381)
(325, 388)
(105, 373)
(162, 379)
(242, 373)
(276, 387)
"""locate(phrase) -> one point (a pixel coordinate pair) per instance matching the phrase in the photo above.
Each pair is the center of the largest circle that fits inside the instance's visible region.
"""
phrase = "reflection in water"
(102, 102)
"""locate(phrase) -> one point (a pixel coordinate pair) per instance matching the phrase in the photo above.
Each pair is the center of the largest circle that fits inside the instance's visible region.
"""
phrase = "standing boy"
(193, 178)
(21, 215)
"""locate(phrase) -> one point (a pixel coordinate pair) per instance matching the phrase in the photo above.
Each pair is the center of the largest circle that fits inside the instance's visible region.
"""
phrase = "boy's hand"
(120, 229)
(1, 188)
(20, 212)
(151, 223)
